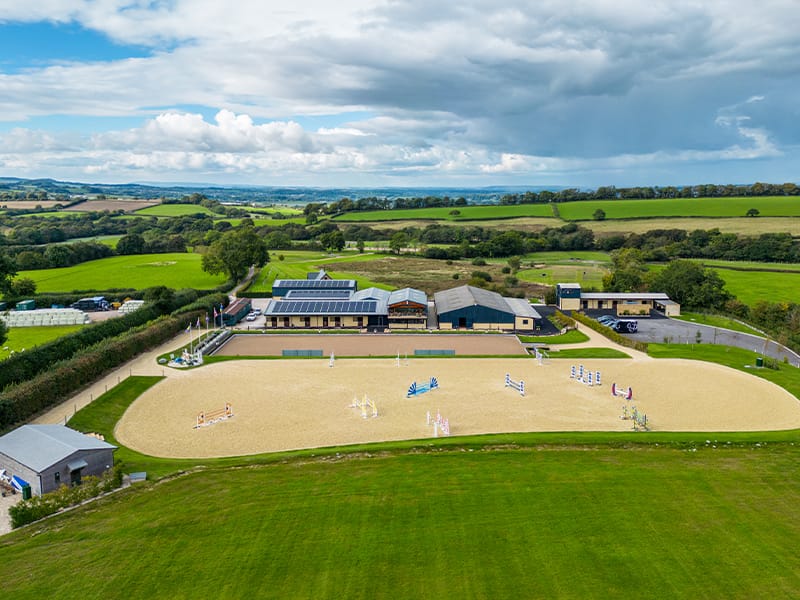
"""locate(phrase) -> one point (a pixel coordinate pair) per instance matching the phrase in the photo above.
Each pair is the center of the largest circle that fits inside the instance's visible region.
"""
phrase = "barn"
(47, 456)
(469, 307)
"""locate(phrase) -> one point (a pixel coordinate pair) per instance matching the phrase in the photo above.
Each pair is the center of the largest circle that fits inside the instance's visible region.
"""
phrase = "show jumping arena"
(289, 404)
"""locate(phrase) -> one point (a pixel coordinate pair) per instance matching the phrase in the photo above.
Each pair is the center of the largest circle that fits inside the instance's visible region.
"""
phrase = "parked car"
(250, 317)
(605, 319)
(626, 326)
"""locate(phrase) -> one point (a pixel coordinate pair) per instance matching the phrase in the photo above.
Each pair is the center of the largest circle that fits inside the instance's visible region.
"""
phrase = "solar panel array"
(322, 306)
(322, 284)
(318, 294)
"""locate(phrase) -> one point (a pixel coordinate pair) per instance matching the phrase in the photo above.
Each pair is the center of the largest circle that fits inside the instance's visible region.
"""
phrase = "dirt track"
(285, 404)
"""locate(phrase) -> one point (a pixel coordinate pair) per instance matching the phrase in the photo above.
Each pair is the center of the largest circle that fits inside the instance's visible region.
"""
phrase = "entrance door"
(75, 477)
(462, 322)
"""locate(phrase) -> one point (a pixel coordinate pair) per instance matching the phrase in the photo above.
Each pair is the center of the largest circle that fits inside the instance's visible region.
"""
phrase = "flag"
(206, 318)
(198, 322)
(189, 327)
(216, 314)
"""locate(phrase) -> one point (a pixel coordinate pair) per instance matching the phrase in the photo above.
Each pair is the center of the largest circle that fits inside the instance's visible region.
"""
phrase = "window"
(58, 477)
(524, 321)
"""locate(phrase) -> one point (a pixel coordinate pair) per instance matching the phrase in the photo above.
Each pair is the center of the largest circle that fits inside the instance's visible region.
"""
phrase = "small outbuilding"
(48, 456)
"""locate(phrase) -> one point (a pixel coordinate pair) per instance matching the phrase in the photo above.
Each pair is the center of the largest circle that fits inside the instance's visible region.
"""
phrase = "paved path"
(144, 364)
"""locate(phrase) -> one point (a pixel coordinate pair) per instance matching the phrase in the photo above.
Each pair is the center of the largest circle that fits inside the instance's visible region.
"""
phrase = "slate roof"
(41, 446)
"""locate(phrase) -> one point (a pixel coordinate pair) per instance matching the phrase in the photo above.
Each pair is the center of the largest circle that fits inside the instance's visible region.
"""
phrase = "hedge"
(609, 333)
(63, 378)
(38, 507)
(25, 365)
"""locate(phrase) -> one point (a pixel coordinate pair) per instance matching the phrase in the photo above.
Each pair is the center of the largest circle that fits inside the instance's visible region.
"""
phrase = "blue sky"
(401, 92)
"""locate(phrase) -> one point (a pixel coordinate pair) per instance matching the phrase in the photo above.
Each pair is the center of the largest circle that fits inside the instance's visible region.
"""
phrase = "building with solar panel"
(469, 307)
(281, 287)
(323, 314)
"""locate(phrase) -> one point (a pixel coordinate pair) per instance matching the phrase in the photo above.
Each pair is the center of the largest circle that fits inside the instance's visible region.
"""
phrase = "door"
(75, 477)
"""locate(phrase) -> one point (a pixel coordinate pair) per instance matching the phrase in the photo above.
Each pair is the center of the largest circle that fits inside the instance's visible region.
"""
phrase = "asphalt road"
(662, 330)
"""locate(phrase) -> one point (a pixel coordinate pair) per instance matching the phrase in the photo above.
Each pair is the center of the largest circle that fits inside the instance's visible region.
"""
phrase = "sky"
(401, 92)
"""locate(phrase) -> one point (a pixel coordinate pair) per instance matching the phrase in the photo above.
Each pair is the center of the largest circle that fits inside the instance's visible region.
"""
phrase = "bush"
(481, 275)
(38, 507)
(505, 270)
(479, 262)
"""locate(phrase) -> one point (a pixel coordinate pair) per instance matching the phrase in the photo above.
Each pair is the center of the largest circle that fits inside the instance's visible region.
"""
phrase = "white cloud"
(497, 88)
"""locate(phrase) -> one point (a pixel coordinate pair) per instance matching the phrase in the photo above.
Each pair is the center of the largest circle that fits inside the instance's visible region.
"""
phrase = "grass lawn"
(768, 206)
(573, 336)
(20, 338)
(786, 376)
(589, 353)
(176, 270)
(563, 523)
(717, 321)
(569, 257)
(465, 213)
(587, 274)
(174, 210)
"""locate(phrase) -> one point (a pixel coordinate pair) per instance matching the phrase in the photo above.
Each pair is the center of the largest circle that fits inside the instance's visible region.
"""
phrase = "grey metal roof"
(570, 285)
(522, 308)
(371, 293)
(317, 275)
(41, 446)
(466, 295)
(408, 294)
(623, 296)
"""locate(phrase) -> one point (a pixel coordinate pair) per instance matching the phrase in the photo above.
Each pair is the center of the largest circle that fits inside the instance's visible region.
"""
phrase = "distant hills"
(260, 194)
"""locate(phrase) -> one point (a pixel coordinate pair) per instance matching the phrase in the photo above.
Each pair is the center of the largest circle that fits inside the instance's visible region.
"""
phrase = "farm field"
(176, 270)
(27, 204)
(20, 338)
(559, 523)
(738, 225)
(753, 286)
(128, 205)
(297, 263)
(750, 265)
(768, 206)
(465, 213)
(175, 210)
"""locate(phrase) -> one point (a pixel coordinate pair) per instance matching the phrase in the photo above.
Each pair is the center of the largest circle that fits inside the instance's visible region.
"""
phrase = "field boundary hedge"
(58, 379)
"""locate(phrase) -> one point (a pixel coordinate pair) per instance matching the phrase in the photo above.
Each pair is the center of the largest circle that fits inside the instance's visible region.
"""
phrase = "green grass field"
(588, 275)
(752, 286)
(744, 265)
(174, 210)
(768, 206)
(573, 336)
(563, 523)
(296, 264)
(177, 270)
(25, 338)
(465, 213)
